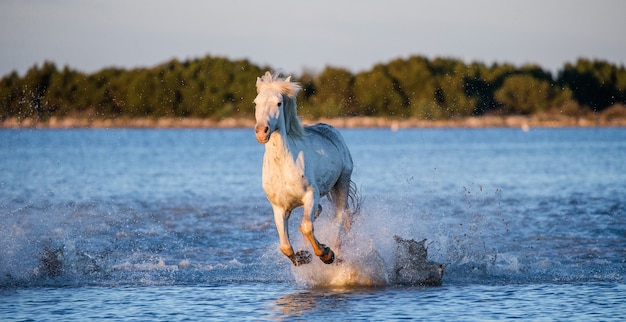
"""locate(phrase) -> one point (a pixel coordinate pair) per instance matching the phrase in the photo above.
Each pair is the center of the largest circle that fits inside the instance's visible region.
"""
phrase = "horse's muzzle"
(262, 132)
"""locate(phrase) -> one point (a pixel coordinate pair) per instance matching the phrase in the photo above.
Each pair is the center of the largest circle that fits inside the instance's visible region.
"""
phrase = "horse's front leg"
(311, 203)
(281, 217)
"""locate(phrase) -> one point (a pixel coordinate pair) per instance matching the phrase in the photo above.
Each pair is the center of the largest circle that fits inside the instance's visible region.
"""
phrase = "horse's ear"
(288, 79)
(258, 84)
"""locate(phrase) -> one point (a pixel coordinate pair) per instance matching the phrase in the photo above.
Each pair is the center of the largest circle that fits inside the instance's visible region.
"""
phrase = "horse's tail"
(355, 200)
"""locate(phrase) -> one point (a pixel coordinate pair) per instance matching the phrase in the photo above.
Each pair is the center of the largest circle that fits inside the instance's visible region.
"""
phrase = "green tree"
(595, 83)
(62, 95)
(417, 82)
(217, 87)
(108, 93)
(378, 94)
(450, 93)
(525, 94)
(34, 86)
(333, 95)
(10, 96)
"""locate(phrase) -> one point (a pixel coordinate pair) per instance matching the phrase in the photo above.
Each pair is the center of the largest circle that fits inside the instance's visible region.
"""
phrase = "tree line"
(216, 87)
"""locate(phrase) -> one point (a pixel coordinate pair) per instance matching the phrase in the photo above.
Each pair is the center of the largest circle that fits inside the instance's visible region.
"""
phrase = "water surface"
(173, 224)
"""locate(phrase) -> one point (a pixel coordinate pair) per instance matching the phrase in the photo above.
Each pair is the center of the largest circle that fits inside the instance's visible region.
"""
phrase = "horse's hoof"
(301, 257)
(328, 256)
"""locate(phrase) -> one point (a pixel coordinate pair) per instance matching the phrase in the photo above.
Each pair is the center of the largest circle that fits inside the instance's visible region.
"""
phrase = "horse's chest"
(288, 175)
(284, 182)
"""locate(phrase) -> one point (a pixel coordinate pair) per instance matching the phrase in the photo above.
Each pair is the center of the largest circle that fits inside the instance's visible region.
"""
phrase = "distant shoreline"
(524, 122)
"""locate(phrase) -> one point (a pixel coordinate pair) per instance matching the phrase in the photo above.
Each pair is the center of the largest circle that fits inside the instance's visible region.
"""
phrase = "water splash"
(463, 232)
(369, 257)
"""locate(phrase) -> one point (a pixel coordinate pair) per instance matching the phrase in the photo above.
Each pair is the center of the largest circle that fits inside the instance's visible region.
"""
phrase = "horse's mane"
(289, 90)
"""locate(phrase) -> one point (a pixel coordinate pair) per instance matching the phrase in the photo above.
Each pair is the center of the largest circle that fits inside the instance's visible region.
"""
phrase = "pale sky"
(89, 35)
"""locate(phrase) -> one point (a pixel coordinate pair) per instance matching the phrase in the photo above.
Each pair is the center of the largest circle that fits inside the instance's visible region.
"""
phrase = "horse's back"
(325, 130)
(333, 136)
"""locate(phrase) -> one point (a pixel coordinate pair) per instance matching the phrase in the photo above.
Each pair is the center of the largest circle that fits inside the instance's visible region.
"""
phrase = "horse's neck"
(292, 123)
(282, 143)
(281, 146)
(278, 143)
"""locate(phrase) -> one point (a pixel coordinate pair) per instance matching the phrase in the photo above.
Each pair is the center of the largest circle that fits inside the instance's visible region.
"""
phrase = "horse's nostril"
(265, 129)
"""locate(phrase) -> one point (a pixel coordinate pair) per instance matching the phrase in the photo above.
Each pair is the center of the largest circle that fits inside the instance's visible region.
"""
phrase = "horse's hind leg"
(311, 203)
(339, 196)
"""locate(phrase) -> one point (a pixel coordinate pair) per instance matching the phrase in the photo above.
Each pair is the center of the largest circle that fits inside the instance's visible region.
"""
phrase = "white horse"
(301, 165)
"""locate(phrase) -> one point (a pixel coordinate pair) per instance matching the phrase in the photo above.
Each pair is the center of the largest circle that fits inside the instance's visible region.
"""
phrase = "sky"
(294, 36)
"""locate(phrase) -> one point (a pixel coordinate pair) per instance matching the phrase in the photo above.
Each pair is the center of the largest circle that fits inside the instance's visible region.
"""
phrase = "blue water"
(174, 225)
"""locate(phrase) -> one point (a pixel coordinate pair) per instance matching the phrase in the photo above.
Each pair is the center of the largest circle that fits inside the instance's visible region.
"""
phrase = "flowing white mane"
(289, 90)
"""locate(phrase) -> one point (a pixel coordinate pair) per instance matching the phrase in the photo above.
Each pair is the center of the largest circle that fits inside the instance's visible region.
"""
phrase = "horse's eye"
(280, 103)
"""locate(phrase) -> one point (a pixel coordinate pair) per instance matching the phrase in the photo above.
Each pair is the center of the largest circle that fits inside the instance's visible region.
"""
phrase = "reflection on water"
(303, 302)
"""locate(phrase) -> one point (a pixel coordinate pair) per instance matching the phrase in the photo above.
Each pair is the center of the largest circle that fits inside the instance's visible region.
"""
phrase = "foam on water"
(357, 263)
(91, 244)
(368, 257)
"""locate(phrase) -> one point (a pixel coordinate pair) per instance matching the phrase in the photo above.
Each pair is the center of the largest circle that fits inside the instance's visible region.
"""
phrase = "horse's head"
(269, 108)
(273, 93)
